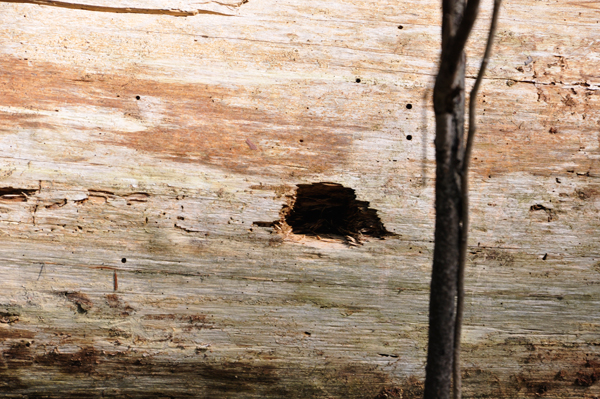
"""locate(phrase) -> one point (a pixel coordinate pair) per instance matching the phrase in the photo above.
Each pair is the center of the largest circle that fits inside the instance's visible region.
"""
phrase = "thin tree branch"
(464, 29)
(460, 295)
(453, 46)
(447, 21)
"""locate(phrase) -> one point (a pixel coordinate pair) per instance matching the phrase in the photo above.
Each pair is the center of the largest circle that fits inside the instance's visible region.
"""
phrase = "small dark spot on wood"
(81, 300)
(538, 207)
(307, 333)
(137, 97)
(409, 137)
(357, 80)
(542, 389)
(561, 375)
(123, 260)
(408, 106)
(263, 224)
(400, 27)
(545, 257)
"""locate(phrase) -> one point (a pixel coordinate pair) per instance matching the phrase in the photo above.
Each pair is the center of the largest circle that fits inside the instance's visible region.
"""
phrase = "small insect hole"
(408, 106)
(357, 80)
(409, 137)
(400, 27)
(137, 97)
(123, 260)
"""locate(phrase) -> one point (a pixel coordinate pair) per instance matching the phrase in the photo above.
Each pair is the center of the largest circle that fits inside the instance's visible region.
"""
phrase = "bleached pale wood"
(208, 305)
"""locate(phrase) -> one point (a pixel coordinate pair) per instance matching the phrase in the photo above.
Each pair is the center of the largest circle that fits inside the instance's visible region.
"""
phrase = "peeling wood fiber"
(138, 151)
(122, 10)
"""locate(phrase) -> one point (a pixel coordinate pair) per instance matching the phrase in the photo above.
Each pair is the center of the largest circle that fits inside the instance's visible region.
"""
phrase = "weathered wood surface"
(146, 145)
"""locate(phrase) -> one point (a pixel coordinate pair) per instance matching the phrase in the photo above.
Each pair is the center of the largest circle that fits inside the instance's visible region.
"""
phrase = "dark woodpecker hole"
(409, 137)
(357, 80)
(408, 106)
(137, 97)
(123, 260)
(400, 27)
(329, 210)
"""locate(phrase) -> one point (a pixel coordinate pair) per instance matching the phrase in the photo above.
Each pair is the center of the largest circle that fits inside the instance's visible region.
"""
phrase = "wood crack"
(120, 10)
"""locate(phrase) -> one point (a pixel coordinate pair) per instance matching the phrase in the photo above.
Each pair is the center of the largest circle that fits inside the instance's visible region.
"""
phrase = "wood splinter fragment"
(251, 145)
(119, 10)
(115, 281)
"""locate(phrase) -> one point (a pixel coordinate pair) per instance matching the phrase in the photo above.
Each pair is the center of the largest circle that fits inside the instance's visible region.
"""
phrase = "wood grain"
(125, 137)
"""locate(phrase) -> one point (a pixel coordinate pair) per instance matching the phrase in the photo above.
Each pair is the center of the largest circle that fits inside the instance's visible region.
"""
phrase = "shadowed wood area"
(144, 158)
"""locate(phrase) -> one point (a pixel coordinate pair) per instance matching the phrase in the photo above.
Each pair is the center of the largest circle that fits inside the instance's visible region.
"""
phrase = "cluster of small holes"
(408, 106)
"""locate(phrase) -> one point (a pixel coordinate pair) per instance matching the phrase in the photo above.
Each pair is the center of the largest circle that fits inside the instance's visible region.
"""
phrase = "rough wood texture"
(145, 146)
